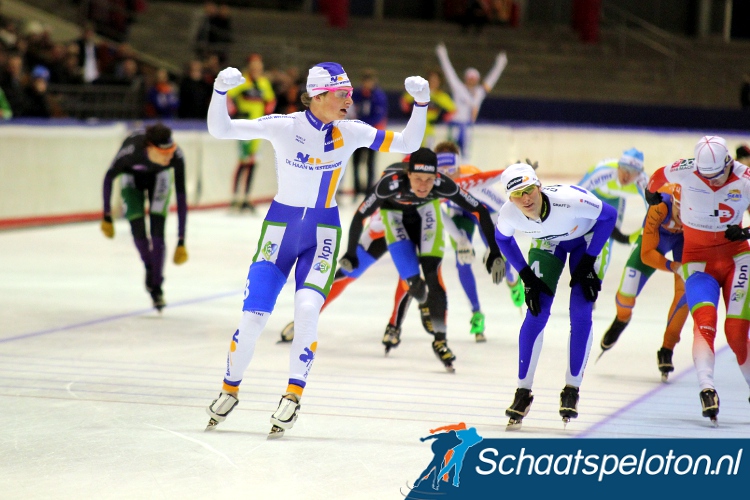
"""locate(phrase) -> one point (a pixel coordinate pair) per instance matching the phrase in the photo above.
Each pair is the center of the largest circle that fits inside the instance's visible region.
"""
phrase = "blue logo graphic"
(307, 357)
(301, 157)
(443, 473)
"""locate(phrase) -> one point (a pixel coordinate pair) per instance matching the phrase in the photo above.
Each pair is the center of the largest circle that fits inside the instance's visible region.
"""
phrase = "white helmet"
(711, 155)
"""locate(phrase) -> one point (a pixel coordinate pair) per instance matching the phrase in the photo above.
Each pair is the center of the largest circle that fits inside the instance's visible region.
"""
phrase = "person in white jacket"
(302, 227)
(468, 94)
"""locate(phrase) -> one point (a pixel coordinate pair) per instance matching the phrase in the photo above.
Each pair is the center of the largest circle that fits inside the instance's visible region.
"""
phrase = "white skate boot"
(284, 416)
(220, 408)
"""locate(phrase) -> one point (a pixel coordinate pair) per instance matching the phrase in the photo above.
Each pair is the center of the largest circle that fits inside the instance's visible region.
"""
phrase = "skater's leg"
(677, 316)
(138, 230)
(581, 335)
(307, 304)
(158, 249)
(702, 291)
(737, 338)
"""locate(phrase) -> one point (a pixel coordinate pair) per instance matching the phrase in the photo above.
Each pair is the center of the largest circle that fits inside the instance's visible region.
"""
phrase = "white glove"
(497, 271)
(228, 78)
(418, 88)
(441, 49)
(464, 249)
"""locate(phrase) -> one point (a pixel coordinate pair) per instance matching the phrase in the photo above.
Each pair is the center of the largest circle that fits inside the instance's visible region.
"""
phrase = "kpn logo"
(442, 476)
(269, 249)
(322, 266)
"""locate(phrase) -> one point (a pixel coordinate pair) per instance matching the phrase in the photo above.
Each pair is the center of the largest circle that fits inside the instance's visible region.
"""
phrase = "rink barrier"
(52, 171)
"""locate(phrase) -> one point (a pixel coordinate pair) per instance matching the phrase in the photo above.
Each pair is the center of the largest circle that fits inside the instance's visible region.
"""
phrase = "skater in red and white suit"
(716, 256)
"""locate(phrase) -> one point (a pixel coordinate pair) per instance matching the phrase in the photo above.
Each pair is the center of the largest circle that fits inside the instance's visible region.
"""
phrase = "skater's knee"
(265, 282)
(307, 303)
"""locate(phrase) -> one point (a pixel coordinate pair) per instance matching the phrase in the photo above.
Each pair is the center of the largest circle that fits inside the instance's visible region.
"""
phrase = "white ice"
(102, 397)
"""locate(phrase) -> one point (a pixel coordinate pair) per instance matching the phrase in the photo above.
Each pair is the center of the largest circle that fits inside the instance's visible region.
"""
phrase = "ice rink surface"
(102, 397)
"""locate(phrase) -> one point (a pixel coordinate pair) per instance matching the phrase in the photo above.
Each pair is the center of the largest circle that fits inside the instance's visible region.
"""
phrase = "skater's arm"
(466, 201)
(501, 61)
(657, 180)
(454, 81)
(372, 202)
(406, 141)
(602, 229)
(509, 247)
(179, 183)
(220, 125)
(650, 256)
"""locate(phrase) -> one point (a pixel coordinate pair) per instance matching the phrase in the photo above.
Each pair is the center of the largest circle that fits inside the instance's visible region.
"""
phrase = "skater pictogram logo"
(443, 474)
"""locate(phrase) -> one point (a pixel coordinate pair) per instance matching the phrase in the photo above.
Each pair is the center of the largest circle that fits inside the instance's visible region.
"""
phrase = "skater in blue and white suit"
(302, 225)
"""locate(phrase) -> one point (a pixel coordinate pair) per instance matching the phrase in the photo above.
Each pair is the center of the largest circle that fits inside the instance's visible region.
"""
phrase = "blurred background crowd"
(134, 59)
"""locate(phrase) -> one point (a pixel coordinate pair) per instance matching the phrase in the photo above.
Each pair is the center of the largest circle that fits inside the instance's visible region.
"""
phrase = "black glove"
(620, 237)
(417, 288)
(585, 275)
(737, 233)
(349, 262)
(653, 198)
(533, 287)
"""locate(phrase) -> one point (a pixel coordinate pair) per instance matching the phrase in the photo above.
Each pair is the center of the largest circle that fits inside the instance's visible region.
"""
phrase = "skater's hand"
(228, 78)
(180, 253)
(653, 198)
(737, 233)
(495, 264)
(349, 262)
(464, 249)
(502, 61)
(107, 227)
(418, 88)
(441, 49)
(533, 287)
(586, 276)
(674, 267)
(418, 289)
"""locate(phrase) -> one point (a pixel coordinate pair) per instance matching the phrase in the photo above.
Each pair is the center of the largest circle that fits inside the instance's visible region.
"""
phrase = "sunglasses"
(520, 192)
(341, 93)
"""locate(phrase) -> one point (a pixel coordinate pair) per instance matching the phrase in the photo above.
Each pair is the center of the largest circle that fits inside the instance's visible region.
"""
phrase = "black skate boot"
(569, 403)
(610, 337)
(444, 354)
(664, 361)
(710, 403)
(392, 337)
(158, 298)
(519, 409)
(287, 333)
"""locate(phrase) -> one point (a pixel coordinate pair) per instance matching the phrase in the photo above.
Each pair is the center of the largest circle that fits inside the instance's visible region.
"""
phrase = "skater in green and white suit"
(612, 181)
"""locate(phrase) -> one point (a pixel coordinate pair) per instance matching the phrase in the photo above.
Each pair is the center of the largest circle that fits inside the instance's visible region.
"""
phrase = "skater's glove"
(737, 233)
(180, 253)
(464, 249)
(653, 198)
(634, 235)
(418, 88)
(107, 227)
(349, 262)
(533, 287)
(495, 265)
(620, 237)
(228, 78)
(586, 276)
(417, 288)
